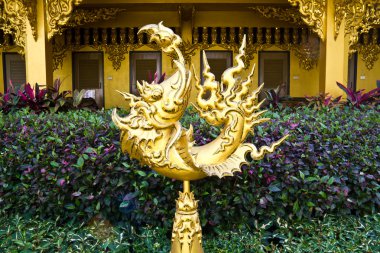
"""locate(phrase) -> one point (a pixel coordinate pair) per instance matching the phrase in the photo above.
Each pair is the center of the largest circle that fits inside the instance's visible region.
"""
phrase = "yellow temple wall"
(302, 82)
(369, 83)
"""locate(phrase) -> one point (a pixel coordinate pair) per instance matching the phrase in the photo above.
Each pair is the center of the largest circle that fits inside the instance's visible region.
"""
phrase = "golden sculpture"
(153, 134)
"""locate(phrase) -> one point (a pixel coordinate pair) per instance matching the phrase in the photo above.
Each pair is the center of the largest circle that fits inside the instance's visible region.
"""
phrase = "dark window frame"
(4, 54)
(260, 77)
(229, 58)
(135, 55)
(74, 70)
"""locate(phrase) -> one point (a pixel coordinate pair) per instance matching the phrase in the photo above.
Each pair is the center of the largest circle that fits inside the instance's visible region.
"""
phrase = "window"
(14, 70)
(274, 70)
(143, 64)
(88, 75)
(219, 61)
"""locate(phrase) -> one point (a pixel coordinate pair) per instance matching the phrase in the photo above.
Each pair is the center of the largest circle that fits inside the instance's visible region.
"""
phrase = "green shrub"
(330, 234)
(69, 165)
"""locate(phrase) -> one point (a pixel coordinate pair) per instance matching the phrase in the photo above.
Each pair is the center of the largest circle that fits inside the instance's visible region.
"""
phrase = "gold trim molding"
(313, 13)
(14, 17)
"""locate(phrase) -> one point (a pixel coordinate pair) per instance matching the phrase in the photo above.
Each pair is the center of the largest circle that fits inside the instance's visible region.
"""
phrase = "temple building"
(303, 46)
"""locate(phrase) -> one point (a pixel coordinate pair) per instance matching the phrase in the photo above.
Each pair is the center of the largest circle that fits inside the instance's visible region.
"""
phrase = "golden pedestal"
(187, 231)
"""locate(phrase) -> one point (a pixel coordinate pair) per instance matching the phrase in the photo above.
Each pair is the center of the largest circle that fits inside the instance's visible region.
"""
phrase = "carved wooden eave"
(14, 17)
(360, 16)
(115, 47)
(58, 13)
(313, 13)
(307, 51)
(287, 14)
(86, 16)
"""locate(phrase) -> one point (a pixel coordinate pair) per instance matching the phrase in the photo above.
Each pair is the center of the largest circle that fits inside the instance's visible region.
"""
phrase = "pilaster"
(334, 55)
(38, 52)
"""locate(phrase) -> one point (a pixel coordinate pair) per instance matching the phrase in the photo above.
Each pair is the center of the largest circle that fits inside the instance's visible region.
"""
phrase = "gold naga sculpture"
(152, 132)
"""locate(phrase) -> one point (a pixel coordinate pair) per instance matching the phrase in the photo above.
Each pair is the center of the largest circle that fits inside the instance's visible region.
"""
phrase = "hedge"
(69, 166)
(330, 234)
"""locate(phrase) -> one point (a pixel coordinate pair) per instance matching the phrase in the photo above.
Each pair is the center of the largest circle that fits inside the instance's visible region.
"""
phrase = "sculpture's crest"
(153, 134)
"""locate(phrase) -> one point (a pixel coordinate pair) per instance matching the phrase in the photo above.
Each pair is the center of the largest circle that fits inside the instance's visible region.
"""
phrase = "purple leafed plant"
(358, 98)
(274, 95)
(323, 100)
(35, 98)
(156, 78)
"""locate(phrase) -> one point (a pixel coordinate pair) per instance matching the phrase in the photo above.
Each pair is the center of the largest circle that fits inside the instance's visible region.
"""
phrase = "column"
(38, 53)
(334, 56)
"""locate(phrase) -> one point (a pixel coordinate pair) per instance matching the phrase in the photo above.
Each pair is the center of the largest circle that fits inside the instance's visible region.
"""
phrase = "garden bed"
(69, 166)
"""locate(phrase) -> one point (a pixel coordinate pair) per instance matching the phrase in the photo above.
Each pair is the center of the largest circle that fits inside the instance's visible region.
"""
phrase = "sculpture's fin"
(238, 158)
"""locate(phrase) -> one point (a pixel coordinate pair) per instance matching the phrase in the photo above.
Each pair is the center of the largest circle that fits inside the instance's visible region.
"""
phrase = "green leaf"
(311, 179)
(274, 188)
(323, 194)
(80, 162)
(97, 206)
(296, 207)
(125, 203)
(54, 164)
(70, 206)
(331, 181)
(126, 165)
(90, 150)
(324, 179)
(302, 175)
(141, 173)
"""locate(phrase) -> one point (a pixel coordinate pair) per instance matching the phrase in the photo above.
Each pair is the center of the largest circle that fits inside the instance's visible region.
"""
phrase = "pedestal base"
(187, 231)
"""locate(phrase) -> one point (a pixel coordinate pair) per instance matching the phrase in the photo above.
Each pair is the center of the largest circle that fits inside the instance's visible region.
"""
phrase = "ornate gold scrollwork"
(188, 50)
(59, 51)
(369, 51)
(369, 54)
(85, 16)
(313, 14)
(308, 54)
(286, 14)
(116, 52)
(14, 15)
(360, 17)
(58, 13)
(339, 14)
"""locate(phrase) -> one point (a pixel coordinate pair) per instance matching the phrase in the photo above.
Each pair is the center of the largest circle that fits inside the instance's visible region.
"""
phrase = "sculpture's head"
(163, 36)
(150, 92)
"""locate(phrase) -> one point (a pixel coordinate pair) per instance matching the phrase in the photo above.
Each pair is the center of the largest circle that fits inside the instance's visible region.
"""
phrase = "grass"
(330, 234)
